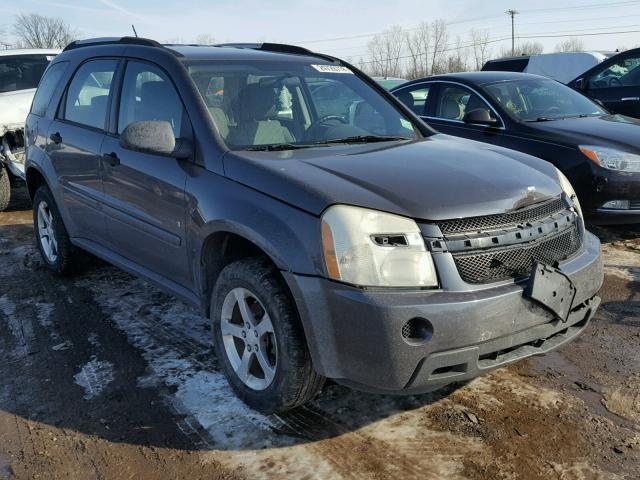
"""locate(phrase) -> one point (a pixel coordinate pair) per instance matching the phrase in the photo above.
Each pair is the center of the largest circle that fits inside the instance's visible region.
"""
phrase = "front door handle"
(56, 138)
(111, 158)
(629, 99)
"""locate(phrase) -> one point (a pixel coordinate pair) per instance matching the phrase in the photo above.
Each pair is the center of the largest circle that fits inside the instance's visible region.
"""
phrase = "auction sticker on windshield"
(331, 69)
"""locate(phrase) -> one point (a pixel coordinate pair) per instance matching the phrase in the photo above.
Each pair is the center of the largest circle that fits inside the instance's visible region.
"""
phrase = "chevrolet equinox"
(323, 228)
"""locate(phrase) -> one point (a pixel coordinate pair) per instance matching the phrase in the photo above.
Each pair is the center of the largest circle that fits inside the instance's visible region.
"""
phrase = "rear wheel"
(259, 339)
(51, 235)
(5, 188)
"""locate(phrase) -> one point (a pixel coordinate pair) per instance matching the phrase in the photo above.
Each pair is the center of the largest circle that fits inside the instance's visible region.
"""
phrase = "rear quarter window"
(47, 86)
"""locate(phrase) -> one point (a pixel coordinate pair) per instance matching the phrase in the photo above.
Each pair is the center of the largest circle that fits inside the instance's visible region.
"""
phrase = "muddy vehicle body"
(324, 237)
(20, 73)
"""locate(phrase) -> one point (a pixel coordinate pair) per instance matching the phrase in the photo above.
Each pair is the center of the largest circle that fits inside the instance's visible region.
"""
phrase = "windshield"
(21, 72)
(295, 105)
(541, 99)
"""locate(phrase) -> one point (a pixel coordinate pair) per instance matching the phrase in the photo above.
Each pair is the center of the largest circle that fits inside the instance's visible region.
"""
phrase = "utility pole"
(512, 13)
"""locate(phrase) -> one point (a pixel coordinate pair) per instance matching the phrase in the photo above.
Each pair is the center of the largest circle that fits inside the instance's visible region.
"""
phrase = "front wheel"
(259, 339)
(51, 235)
(5, 188)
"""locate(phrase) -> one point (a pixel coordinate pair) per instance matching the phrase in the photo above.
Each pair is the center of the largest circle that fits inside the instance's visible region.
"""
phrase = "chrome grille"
(500, 221)
(516, 261)
(634, 204)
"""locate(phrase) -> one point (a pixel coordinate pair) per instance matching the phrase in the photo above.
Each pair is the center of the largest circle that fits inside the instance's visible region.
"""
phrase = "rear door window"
(87, 99)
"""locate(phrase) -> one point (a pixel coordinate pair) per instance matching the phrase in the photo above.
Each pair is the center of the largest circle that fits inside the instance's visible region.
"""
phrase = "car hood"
(436, 178)
(14, 108)
(607, 130)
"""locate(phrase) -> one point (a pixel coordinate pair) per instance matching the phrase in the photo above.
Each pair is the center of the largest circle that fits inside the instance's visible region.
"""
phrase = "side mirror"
(480, 116)
(579, 83)
(154, 137)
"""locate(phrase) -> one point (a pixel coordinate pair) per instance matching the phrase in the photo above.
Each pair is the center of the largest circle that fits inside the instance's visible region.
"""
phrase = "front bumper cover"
(354, 335)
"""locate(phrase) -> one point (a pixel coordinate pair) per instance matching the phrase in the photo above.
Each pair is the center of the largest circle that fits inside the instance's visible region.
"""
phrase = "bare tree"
(523, 48)
(385, 52)
(457, 61)
(439, 39)
(480, 47)
(418, 44)
(572, 44)
(205, 39)
(33, 30)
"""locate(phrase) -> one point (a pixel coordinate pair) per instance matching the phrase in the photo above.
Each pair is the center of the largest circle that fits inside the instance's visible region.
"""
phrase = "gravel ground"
(107, 377)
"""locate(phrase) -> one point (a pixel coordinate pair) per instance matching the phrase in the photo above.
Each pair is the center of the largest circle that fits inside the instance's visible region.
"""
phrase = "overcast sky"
(323, 24)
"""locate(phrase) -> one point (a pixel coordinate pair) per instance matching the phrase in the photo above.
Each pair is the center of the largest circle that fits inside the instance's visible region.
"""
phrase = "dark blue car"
(598, 151)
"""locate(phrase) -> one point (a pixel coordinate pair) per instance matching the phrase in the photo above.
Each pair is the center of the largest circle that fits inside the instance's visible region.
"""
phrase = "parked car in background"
(20, 72)
(561, 66)
(389, 82)
(355, 244)
(615, 83)
(599, 152)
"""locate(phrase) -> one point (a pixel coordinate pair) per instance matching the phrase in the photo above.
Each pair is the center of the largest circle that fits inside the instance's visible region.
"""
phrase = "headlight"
(371, 248)
(612, 159)
(569, 191)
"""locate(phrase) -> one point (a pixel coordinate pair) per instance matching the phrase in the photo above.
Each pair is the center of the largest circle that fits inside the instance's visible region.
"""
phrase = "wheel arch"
(227, 243)
(34, 178)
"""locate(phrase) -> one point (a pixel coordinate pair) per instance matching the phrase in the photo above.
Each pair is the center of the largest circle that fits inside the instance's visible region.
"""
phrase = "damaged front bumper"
(356, 335)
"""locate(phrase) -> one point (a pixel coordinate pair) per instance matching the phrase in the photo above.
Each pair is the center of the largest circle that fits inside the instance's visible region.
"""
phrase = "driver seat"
(256, 105)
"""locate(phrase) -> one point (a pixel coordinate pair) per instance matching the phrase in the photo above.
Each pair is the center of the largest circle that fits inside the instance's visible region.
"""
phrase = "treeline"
(430, 49)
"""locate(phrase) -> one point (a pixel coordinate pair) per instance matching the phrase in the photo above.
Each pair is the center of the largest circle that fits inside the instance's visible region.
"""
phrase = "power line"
(485, 17)
(519, 37)
(591, 6)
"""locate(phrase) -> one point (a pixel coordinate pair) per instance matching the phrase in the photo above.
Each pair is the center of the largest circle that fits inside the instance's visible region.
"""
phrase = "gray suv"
(325, 230)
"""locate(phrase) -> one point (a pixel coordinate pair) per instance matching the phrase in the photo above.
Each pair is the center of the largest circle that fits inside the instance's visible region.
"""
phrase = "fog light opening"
(617, 204)
(417, 330)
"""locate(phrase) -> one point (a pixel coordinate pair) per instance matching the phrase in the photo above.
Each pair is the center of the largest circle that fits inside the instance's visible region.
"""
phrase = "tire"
(56, 251)
(5, 188)
(292, 380)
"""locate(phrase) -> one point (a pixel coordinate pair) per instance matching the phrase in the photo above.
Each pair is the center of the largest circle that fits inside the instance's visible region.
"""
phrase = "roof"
(214, 52)
(241, 51)
(478, 78)
(30, 51)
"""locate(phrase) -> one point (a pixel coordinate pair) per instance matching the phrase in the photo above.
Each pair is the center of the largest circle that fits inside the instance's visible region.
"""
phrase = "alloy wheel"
(46, 232)
(249, 339)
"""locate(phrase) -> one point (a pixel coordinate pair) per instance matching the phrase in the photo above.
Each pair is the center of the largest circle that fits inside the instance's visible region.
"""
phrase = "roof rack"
(277, 48)
(90, 42)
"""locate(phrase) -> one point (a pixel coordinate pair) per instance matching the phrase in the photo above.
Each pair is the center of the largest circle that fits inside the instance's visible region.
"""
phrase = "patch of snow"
(176, 342)
(94, 377)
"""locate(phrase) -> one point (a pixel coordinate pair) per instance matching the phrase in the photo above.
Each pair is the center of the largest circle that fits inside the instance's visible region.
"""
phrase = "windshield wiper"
(363, 139)
(545, 119)
(277, 147)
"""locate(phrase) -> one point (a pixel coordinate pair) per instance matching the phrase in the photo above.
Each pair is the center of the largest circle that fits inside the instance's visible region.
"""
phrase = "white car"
(560, 66)
(20, 73)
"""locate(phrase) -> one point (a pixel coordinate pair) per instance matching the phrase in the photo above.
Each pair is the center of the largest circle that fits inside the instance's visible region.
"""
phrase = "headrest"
(405, 97)
(154, 91)
(450, 108)
(256, 102)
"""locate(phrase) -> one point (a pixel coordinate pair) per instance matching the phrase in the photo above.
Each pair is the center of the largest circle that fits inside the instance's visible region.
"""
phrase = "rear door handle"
(629, 99)
(56, 138)
(111, 158)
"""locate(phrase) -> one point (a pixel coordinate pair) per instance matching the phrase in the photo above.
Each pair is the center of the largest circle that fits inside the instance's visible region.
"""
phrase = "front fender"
(288, 235)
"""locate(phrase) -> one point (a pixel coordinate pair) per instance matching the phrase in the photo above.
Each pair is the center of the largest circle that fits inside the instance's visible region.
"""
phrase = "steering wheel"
(613, 80)
(326, 118)
(552, 110)
(322, 120)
